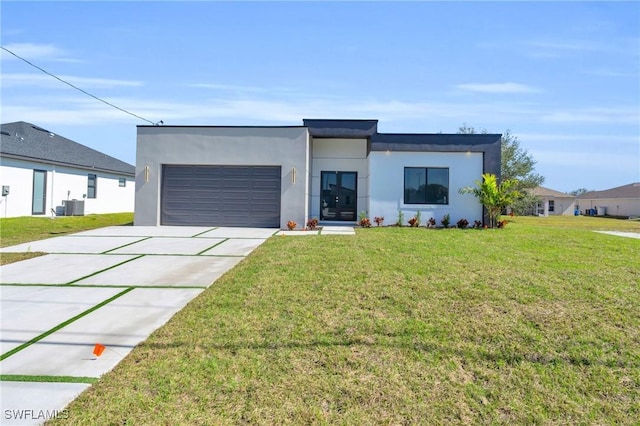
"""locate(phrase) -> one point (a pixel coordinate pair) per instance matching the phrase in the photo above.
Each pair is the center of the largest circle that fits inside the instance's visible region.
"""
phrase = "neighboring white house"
(41, 173)
(553, 202)
(621, 201)
(330, 169)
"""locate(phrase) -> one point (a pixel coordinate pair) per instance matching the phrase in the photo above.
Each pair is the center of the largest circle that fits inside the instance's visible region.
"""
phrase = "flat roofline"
(221, 127)
(340, 119)
(440, 134)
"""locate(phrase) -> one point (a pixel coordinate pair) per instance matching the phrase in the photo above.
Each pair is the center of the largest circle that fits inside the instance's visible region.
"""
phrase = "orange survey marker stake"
(98, 349)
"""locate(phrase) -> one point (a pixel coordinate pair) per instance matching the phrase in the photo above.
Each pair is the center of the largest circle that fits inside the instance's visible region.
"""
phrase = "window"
(122, 182)
(426, 185)
(551, 205)
(92, 186)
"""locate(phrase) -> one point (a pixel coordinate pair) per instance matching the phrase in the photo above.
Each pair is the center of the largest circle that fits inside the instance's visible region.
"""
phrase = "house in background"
(623, 201)
(330, 169)
(551, 202)
(41, 172)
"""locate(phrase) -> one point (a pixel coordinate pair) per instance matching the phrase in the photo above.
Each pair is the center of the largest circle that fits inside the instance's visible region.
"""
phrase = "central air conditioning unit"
(73, 207)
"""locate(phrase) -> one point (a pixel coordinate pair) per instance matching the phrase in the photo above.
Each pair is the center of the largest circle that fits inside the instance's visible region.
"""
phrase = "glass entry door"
(39, 197)
(338, 196)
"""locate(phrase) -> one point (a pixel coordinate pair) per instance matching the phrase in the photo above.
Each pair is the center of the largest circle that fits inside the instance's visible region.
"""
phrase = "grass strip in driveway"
(125, 245)
(61, 325)
(209, 248)
(537, 323)
(46, 379)
(103, 270)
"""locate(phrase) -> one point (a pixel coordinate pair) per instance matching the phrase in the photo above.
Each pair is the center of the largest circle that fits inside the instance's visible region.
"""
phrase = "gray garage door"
(221, 196)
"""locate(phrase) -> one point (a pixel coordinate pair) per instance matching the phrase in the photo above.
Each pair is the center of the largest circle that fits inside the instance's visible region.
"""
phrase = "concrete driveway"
(113, 286)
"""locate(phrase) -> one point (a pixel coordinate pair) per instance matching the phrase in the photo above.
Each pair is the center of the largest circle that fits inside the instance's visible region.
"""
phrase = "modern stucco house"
(552, 202)
(623, 201)
(42, 172)
(329, 169)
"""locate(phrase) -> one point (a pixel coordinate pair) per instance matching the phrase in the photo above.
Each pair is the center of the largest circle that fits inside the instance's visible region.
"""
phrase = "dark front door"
(338, 195)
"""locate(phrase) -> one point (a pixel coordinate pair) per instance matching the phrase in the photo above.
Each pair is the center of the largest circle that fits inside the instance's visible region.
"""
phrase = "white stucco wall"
(386, 183)
(287, 147)
(62, 183)
(613, 206)
(562, 206)
(341, 155)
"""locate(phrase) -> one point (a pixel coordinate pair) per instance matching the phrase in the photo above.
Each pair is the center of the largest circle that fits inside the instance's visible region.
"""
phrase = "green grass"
(19, 230)
(46, 379)
(538, 323)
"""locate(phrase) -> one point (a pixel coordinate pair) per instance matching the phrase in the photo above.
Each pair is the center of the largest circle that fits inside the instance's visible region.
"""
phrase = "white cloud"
(43, 80)
(613, 161)
(622, 46)
(599, 115)
(35, 51)
(508, 87)
(580, 138)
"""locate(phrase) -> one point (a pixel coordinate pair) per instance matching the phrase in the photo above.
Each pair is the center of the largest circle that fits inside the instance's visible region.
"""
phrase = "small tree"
(493, 195)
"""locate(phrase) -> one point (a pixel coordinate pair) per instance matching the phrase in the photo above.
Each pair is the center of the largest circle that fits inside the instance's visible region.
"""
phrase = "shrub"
(446, 219)
(364, 220)
(400, 218)
(502, 223)
(431, 223)
(414, 222)
(378, 220)
(312, 223)
(462, 223)
(291, 225)
(477, 224)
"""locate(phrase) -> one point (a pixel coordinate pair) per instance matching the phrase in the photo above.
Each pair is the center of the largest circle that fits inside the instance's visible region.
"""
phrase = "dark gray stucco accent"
(488, 144)
(323, 128)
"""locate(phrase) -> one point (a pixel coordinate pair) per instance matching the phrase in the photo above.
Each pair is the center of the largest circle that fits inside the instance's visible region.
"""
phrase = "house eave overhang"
(489, 145)
(347, 129)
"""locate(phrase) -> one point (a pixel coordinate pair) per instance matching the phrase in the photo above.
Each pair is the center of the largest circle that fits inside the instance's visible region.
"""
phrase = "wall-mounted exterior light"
(146, 174)
(293, 175)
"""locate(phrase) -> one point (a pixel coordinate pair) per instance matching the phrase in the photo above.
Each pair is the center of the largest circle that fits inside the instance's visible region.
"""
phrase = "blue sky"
(562, 77)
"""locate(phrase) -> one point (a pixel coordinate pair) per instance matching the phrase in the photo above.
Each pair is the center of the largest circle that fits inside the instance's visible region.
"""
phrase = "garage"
(203, 195)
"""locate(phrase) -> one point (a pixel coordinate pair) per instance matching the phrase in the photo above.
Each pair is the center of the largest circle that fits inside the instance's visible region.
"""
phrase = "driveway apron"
(111, 286)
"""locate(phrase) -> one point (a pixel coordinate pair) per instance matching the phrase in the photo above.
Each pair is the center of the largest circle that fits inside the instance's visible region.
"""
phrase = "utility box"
(73, 207)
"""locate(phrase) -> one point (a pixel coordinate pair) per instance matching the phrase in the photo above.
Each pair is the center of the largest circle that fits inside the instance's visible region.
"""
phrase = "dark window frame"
(44, 193)
(552, 206)
(122, 182)
(94, 186)
(426, 200)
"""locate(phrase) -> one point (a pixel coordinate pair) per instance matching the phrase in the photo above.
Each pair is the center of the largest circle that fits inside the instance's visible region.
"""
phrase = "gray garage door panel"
(221, 196)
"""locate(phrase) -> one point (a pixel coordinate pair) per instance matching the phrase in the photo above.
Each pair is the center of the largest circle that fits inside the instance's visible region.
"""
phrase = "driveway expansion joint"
(104, 270)
(62, 325)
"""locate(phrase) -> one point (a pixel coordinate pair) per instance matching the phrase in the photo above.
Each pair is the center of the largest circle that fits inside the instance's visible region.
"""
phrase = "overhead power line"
(76, 87)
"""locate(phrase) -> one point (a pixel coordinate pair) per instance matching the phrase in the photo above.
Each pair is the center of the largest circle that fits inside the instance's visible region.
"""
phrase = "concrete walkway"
(113, 286)
(621, 234)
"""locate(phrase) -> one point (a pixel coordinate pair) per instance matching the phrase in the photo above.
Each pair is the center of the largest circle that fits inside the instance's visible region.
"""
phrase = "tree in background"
(580, 191)
(493, 195)
(516, 164)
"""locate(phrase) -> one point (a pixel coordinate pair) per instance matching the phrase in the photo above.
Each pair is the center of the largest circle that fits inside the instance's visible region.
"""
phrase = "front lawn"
(525, 325)
(17, 230)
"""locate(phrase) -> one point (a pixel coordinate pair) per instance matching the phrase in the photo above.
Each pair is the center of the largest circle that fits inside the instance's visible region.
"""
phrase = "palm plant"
(493, 195)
